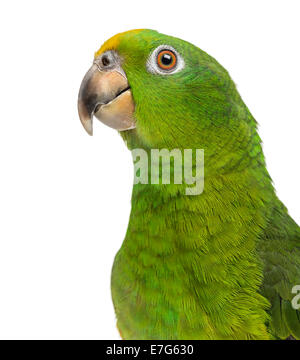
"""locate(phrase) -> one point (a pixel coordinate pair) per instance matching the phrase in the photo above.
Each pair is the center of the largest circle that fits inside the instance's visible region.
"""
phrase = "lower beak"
(107, 96)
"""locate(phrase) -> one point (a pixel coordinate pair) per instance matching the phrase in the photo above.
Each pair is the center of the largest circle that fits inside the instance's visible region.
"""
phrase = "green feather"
(292, 319)
(220, 265)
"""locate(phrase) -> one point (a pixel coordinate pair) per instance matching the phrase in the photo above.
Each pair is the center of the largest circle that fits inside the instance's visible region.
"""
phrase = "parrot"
(219, 265)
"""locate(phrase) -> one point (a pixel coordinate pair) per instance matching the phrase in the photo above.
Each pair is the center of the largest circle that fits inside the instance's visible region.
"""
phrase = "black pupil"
(105, 61)
(166, 59)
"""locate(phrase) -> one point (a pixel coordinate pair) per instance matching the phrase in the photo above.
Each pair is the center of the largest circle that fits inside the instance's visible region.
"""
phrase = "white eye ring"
(153, 67)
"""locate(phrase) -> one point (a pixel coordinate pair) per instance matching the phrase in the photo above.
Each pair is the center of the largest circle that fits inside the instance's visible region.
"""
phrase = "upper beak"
(107, 95)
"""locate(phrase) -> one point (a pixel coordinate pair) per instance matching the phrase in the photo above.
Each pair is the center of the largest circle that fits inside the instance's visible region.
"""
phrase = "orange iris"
(166, 59)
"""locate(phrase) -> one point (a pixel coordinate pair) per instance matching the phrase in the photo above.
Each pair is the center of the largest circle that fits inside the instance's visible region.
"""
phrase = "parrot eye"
(165, 60)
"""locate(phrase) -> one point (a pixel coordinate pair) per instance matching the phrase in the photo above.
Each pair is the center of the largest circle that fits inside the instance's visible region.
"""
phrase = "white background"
(65, 196)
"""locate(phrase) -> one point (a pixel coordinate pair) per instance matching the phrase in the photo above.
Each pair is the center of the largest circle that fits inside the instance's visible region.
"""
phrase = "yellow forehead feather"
(113, 42)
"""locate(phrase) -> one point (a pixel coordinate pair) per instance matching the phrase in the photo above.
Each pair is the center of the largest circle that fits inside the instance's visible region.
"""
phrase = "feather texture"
(220, 265)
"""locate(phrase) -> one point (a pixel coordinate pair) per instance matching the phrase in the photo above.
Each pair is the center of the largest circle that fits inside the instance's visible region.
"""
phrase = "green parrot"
(222, 264)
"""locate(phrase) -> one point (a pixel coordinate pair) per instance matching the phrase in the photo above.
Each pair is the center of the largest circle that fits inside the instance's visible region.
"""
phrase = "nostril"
(105, 60)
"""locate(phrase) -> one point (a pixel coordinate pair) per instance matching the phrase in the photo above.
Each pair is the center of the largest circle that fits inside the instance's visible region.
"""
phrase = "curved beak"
(107, 96)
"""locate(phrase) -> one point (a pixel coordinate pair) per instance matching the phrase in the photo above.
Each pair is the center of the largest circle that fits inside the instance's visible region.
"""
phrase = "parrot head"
(162, 92)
